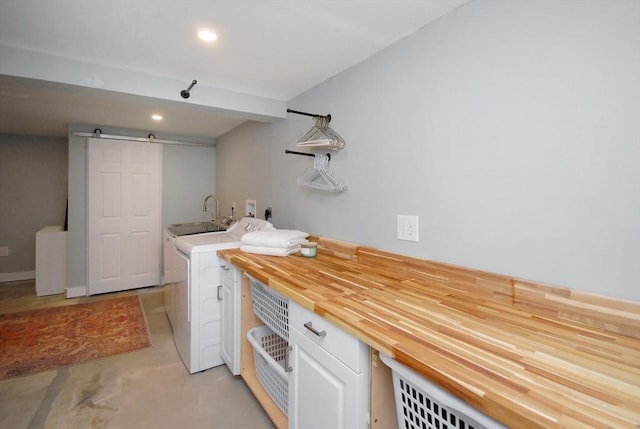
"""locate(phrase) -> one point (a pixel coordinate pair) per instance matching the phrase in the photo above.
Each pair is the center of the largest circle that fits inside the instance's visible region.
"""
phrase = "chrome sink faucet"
(204, 206)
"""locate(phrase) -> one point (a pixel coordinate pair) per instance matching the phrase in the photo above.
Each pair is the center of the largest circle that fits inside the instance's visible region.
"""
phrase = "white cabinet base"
(51, 261)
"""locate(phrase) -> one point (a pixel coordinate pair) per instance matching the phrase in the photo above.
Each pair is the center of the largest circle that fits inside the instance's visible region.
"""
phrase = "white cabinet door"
(231, 317)
(323, 392)
(123, 215)
(206, 311)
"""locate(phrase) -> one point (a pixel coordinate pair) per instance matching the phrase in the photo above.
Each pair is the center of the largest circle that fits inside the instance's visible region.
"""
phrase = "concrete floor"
(148, 388)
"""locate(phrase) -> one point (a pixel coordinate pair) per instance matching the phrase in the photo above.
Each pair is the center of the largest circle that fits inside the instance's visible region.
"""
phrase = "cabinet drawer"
(346, 348)
(229, 273)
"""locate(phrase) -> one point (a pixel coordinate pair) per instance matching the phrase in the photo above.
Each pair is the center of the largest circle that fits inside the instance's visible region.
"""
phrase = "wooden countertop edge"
(510, 410)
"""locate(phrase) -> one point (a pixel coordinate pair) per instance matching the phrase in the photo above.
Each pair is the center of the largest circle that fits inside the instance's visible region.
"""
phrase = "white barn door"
(123, 215)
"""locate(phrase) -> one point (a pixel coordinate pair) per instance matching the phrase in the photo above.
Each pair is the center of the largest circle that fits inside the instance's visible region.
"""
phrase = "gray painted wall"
(245, 172)
(188, 175)
(33, 194)
(510, 128)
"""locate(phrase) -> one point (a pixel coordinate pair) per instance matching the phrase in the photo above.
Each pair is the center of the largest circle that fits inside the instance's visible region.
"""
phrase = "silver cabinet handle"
(310, 327)
(219, 292)
(287, 367)
(224, 267)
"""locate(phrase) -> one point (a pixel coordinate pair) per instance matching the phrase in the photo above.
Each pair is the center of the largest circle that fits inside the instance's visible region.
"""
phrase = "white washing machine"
(196, 295)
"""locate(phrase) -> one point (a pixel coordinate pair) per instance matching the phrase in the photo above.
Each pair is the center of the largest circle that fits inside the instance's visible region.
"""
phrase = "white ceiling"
(268, 51)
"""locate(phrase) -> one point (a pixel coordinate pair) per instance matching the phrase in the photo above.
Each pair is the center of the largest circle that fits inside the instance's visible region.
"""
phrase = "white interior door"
(123, 215)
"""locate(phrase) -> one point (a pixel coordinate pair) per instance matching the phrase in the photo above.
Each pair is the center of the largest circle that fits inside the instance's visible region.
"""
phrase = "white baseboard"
(73, 292)
(14, 277)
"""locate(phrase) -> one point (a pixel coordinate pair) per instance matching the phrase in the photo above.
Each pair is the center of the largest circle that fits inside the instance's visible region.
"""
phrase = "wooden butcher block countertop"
(517, 351)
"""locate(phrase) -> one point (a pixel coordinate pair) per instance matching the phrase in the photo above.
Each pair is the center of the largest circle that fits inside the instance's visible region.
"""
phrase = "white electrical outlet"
(408, 228)
(4, 251)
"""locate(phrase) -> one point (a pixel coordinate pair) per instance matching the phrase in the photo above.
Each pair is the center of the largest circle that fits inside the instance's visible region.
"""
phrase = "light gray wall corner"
(77, 233)
(188, 177)
(243, 170)
(33, 194)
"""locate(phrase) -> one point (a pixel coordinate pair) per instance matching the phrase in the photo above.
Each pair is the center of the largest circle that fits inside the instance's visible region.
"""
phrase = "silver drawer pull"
(224, 267)
(219, 292)
(310, 327)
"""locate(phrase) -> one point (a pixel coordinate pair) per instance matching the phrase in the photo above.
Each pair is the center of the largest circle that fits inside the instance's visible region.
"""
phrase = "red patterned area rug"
(40, 340)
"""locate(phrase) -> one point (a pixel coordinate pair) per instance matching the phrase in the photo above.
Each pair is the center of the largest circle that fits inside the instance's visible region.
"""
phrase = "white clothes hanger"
(328, 174)
(320, 177)
(321, 136)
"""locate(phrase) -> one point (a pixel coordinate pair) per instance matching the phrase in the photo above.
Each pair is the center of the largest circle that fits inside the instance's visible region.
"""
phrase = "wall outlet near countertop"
(251, 207)
(4, 250)
(408, 228)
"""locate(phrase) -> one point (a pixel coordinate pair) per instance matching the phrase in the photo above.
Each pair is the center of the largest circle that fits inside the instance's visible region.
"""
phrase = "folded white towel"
(271, 251)
(275, 238)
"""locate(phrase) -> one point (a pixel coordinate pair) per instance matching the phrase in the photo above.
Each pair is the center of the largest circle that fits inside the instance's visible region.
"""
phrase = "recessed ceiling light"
(207, 35)
(156, 117)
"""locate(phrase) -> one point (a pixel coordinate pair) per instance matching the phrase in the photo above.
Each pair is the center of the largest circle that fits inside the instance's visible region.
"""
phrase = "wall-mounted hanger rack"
(293, 152)
(320, 136)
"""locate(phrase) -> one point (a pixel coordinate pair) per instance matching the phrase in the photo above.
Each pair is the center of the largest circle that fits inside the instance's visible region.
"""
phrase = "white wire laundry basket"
(421, 404)
(270, 357)
(271, 307)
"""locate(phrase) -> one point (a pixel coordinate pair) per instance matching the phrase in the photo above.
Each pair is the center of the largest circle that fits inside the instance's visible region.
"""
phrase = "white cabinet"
(51, 261)
(231, 317)
(329, 381)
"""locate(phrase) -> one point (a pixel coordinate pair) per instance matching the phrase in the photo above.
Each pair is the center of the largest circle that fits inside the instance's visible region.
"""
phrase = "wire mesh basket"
(270, 357)
(271, 307)
(421, 404)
